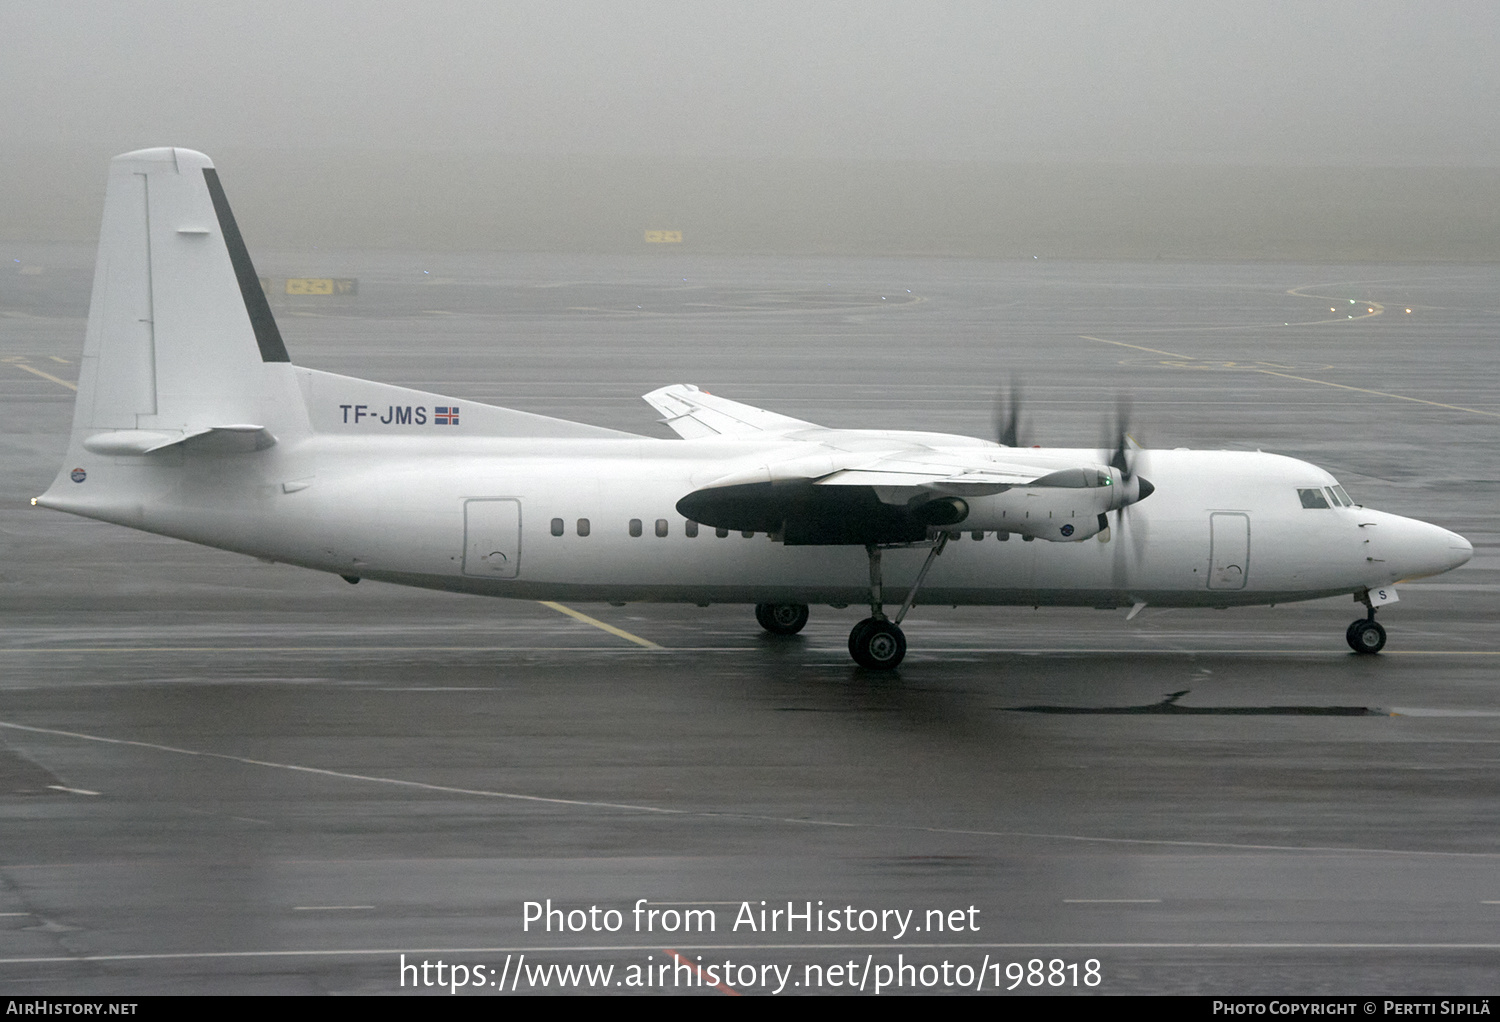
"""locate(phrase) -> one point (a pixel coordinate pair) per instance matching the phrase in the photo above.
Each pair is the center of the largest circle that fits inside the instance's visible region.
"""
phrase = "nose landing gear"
(1365, 635)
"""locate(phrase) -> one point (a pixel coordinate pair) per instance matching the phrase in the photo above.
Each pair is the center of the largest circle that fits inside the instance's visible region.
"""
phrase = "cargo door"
(492, 537)
(1228, 550)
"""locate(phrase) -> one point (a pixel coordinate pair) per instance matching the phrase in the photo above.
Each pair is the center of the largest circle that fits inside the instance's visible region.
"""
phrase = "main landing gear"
(1365, 635)
(781, 618)
(877, 643)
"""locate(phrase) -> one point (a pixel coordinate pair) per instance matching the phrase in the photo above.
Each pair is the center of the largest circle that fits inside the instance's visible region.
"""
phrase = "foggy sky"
(1372, 83)
(1143, 129)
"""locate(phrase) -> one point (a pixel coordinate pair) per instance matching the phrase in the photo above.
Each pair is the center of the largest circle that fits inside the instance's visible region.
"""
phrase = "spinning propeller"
(1133, 486)
(1119, 451)
(1008, 417)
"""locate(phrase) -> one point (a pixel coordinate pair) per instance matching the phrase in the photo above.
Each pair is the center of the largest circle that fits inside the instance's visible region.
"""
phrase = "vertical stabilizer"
(181, 345)
(179, 330)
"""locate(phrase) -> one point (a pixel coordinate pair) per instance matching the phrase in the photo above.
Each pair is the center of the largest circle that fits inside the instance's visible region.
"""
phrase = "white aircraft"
(191, 421)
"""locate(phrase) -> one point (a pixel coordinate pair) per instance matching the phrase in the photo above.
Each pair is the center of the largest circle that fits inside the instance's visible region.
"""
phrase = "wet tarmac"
(219, 775)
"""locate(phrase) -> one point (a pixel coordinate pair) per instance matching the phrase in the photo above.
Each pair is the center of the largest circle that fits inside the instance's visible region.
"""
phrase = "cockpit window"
(1313, 498)
(1343, 495)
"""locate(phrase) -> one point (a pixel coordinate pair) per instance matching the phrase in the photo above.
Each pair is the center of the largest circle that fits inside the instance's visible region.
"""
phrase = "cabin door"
(492, 537)
(1228, 550)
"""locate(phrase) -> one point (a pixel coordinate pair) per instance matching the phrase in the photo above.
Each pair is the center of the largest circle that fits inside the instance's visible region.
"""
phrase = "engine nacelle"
(1043, 514)
(1064, 507)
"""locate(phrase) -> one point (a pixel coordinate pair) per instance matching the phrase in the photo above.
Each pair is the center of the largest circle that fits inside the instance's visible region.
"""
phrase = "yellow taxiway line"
(611, 629)
(1379, 393)
(1137, 347)
(1250, 368)
(45, 376)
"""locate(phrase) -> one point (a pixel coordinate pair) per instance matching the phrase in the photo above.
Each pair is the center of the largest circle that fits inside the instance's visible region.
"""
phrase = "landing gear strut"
(1365, 635)
(781, 618)
(878, 643)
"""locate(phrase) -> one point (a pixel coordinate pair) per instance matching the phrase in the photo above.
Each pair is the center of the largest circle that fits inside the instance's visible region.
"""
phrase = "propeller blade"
(1008, 417)
(1120, 461)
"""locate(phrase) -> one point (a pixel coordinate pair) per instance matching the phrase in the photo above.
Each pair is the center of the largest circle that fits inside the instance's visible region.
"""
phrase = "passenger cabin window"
(557, 526)
(1313, 498)
(635, 526)
(661, 528)
(691, 529)
(583, 526)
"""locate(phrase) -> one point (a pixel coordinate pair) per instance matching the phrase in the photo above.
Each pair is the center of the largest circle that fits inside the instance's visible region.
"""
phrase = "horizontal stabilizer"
(236, 439)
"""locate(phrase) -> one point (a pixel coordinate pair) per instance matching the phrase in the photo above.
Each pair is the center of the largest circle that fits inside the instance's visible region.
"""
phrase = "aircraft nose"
(1426, 549)
(1459, 550)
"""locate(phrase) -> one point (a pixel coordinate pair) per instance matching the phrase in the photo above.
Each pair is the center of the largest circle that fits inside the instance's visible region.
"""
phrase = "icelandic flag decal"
(443, 415)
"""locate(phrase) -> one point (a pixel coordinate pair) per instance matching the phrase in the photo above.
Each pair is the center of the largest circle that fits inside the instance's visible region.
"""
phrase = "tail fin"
(179, 328)
(183, 355)
(181, 343)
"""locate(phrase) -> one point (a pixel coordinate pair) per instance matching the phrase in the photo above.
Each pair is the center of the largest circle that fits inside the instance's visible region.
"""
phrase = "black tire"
(1349, 633)
(877, 645)
(856, 633)
(781, 618)
(1366, 637)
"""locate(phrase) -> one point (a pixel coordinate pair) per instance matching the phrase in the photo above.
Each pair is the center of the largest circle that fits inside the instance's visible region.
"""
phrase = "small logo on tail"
(78, 475)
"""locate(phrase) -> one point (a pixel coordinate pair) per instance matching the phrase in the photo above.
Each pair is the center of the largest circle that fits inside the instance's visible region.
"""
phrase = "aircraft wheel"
(856, 635)
(1366, 636)
(781, 618)
(877, 645)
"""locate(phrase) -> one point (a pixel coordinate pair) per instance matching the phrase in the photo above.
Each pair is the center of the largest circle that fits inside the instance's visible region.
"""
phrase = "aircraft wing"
(810, 484)
(934, 472)
(693, 413)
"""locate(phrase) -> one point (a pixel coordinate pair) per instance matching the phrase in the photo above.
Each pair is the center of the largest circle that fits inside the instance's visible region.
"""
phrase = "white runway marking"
(1411, 711)
(1111, 901)
(695, 903)
(753, 817)
(73, 791)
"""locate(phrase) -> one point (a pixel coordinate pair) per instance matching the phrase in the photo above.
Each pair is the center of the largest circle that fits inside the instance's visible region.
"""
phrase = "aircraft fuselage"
(479, 515)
